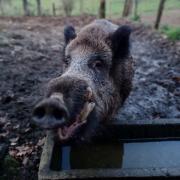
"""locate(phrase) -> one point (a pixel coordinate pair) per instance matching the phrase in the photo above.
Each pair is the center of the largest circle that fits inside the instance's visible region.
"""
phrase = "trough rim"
(45, 173)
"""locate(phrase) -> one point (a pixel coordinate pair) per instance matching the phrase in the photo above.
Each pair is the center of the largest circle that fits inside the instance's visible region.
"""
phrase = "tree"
(39, 7)
(81, 6)
(102, 9)
(1, 5)
(135, 8)
(26, 8)
(127, 8)
(159, 14)
(1, 8)
(68, 6)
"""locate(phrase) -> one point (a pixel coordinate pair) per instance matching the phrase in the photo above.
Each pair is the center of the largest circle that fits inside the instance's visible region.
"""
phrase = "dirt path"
(30, 57)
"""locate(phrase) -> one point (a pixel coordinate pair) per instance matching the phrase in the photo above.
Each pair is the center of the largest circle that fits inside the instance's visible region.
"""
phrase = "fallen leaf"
(13, 140)
(7, 124)
(30, 151)
(13, 152)
(23, 148)
(41, 142)
(13, 144)
(16, 127)
(26, 130)
(22, 153)
(25, 160)
(4, 134)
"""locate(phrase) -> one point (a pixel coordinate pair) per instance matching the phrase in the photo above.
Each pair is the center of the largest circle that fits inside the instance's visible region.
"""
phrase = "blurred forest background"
(145, 11)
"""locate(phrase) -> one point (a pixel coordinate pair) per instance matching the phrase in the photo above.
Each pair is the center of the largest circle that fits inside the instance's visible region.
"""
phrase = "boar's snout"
(50, 113)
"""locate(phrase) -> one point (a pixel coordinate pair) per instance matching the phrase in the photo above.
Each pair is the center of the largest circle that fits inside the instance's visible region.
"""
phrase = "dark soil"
(30, 57)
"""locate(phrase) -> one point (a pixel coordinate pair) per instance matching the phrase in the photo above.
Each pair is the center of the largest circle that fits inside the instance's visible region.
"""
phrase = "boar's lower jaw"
(65, 132)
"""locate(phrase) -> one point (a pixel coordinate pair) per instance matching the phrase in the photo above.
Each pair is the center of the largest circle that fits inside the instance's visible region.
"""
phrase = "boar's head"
(96, 80)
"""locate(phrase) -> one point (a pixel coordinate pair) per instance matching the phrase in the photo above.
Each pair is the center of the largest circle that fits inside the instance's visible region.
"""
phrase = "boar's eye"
(67, 60)
(98, 64)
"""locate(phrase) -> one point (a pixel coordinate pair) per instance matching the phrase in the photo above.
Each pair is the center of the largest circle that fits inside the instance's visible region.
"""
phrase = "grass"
(8, 169)
(147, 7)
(173, 34)
(136, 18)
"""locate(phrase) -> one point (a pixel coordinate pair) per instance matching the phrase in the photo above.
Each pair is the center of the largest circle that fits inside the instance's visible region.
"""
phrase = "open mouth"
(65, 132)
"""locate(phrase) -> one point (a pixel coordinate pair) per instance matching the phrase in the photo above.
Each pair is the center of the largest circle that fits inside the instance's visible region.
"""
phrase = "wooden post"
(26, 8)
(1, 7)
(39, 7)
(127, 8)
(81, 6)
(159, 14)
(135, 8)
(54, 9)
(92, 7)
(109, 8)
(102, 9)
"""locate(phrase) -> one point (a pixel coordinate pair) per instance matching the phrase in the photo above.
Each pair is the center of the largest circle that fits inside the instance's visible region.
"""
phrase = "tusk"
(88, 107)
(88, 94)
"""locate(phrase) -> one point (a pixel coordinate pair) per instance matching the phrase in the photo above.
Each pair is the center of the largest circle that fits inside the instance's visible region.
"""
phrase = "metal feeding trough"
(138, 150)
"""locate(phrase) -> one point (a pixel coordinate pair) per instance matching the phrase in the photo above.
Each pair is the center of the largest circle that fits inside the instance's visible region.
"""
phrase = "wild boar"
(96, 80)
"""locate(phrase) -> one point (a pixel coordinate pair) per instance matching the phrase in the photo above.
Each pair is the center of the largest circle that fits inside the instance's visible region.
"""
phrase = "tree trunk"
(54, 9)
(102, 9)
(159, 14)
(81, 6)
(109, 7)
(136, 7)
(26, 8)
(127, 8)
(1, 8)
(39, 7)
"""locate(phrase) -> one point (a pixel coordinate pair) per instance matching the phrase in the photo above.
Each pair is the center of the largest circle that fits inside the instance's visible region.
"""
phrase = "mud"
(30, 57)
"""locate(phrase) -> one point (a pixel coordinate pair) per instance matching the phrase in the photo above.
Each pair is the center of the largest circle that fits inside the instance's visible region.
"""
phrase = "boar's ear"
(69, 34)
(120, 42)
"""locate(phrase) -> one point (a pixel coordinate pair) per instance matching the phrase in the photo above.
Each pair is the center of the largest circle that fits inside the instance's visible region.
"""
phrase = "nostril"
(39, 113)
(58, 114)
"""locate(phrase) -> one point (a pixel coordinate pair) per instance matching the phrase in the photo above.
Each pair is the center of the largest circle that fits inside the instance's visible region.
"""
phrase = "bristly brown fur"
(97, 57)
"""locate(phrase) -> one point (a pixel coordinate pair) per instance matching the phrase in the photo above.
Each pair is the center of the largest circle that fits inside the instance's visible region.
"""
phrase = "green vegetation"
(165, 28)
(173, 34)
(136, 18)
(8, 169)
(145, 7)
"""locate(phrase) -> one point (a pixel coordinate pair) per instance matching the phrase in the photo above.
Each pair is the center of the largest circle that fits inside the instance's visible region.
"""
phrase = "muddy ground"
(30, 57)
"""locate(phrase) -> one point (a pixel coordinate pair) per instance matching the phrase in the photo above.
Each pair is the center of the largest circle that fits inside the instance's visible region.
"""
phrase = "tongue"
(66, 131)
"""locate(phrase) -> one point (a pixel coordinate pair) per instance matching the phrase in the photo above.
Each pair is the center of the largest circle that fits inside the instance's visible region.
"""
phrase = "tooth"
(89, 94)
(88, 107)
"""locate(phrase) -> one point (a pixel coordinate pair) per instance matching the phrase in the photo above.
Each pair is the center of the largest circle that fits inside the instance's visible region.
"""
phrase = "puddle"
(117, 155)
